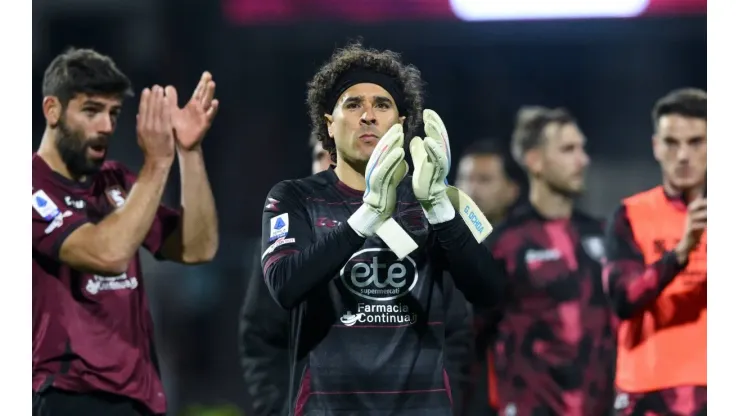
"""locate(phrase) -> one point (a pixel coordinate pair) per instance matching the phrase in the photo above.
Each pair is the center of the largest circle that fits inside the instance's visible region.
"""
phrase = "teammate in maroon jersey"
(92, 330)
(554, 340)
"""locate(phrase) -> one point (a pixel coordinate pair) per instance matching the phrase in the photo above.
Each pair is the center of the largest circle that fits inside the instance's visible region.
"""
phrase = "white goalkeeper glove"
(431, 158)
(385, 170)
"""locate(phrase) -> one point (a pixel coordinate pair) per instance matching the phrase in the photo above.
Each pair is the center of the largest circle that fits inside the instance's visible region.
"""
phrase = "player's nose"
(586, 159)
(368, 117)
(683, 153)
(105, 125)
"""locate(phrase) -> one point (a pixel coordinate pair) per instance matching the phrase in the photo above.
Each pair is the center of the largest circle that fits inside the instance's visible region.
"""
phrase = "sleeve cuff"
(56, 248)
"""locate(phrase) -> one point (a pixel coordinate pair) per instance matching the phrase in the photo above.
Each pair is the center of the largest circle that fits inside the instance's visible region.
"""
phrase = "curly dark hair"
(354, 56)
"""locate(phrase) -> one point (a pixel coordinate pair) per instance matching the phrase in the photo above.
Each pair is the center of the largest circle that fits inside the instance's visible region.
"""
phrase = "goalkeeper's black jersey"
(367, 330)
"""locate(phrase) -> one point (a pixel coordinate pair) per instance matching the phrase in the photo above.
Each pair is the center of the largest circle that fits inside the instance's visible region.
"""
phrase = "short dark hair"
(354, 56)
(530, 124)
(84, 71)
(686, 102)
(495, 147)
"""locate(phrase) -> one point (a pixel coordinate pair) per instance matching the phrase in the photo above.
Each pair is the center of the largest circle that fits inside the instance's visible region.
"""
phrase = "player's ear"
(533, 161)
(329, 124)
(656, 147)
(513, 191)
(52, 110)
(401, 119)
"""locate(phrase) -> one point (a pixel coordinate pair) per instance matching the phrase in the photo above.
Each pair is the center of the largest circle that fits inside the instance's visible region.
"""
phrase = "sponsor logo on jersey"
(74, 203)
(377, 274)
(102, 283)
(368, 314)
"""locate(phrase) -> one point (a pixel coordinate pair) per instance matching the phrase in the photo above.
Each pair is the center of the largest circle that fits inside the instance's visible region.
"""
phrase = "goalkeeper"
(357, 252)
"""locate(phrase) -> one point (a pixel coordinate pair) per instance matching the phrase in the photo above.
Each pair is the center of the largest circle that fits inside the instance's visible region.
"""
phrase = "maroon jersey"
(554, 339)
(91, 333)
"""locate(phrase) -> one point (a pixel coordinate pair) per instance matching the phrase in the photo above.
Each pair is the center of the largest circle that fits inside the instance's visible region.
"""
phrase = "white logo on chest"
(121, 282)
(538, 256)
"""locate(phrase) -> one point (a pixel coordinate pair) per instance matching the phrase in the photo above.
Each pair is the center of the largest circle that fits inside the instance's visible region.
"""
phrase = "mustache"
(98, 141)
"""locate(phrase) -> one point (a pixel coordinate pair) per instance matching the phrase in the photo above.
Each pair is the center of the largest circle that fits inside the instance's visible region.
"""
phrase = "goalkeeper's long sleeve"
(478, 275)
(292, 261)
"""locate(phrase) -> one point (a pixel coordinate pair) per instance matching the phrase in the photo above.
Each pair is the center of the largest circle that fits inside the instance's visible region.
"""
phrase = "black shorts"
(55, 402)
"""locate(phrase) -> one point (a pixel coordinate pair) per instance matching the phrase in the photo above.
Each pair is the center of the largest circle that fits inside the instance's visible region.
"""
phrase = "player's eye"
(696, 141)
(383, 105)
(90, 112)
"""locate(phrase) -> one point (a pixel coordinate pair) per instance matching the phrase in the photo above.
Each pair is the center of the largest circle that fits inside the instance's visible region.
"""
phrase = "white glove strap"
(367, 222)
(439, 211)
(364, 221)
(396, 238)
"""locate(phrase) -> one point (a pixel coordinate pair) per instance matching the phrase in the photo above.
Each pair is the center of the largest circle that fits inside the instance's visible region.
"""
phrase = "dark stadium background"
(607, 71)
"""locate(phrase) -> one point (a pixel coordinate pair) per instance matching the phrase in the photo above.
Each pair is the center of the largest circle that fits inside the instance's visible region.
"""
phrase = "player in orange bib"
(656, 272)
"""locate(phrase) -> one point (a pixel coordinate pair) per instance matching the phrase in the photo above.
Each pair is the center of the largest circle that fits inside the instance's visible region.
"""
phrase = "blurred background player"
(264, 329)
(321, 159)
(489, 175)
(93, 350)
(487, 172)
(554, 350)
(656, 272)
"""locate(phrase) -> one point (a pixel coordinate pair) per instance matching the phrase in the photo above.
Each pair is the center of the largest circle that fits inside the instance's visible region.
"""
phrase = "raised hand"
(154, 125)
(192, 121)
(431, 158)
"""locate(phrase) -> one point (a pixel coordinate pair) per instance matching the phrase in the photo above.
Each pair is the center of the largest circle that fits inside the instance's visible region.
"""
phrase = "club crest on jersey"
(279, 226)
(116, 195)
(377, 274)
(45, 207)
(594, 247)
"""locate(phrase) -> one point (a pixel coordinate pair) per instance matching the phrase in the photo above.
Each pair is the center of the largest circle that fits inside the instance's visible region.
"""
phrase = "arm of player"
(478, 275)
(263, 346)
(459, 340)
(106, 248)
(293, 263)
(630, 284)
(195, 239)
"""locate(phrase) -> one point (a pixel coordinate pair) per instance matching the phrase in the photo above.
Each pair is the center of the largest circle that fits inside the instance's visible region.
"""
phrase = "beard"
(72, 146)
(564, 189)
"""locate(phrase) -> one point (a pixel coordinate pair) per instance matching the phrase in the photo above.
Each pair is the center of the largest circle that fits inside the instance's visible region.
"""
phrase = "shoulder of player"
(588, 222)
(114, 166)
(298, 189)
(517, 217)
(644, 197)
